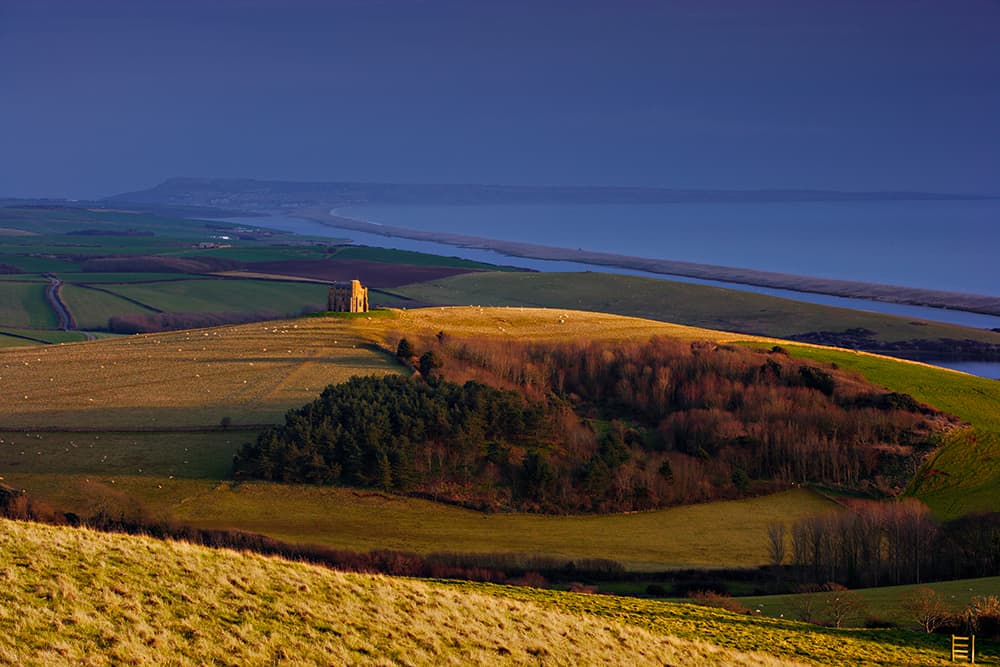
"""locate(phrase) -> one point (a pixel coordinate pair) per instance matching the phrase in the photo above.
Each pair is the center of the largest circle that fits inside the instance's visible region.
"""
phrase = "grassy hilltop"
(72, 596)
(255, 372)
(683, 303)
(963, 474)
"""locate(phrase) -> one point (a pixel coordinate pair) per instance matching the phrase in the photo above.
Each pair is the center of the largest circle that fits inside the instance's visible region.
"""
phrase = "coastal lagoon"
(317, 229)
(944, 244)
(986, 369)
(312, 228)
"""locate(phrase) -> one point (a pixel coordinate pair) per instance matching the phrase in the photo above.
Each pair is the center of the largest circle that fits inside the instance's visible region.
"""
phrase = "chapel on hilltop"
(346, 297)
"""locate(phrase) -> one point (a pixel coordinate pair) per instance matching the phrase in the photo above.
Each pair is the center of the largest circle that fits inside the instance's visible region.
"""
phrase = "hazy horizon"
(111, 96)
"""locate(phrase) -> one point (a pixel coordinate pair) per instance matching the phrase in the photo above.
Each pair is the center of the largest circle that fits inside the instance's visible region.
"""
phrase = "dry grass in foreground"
(77, 597)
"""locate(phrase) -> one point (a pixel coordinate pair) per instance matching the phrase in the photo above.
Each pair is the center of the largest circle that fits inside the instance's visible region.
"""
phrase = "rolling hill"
(72, 596)
(136, 425)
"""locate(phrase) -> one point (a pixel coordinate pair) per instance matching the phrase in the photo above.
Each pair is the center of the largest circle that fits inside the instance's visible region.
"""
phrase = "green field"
(390, 256)
(23, 305)
(730, 533)
(61, 220)
(34, 266)
(11, 337)
(7, 340)
(47, 240)
(22, 278)
(883, 602)
(216, 296)
(974, 399)
(92, 308)
(963, 474)
(52, 246)
(14, 341)
(682, 303)
(185, 454)
(260, 252)
(94, 278)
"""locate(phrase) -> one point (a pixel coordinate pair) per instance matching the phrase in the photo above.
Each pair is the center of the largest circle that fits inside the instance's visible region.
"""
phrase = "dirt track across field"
(66, 321)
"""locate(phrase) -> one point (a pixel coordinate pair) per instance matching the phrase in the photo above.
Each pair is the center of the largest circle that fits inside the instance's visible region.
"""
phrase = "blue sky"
(102, 97)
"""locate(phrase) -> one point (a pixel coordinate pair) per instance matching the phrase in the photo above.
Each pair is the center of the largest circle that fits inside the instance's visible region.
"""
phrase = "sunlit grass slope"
(781, 637)
(545, 324)
(666, 300)
(250, 373)
(963, 474)
(719, 534)
(73, 597)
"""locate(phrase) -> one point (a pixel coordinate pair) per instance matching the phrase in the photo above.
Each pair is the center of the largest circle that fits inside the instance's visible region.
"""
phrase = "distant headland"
(263, 195)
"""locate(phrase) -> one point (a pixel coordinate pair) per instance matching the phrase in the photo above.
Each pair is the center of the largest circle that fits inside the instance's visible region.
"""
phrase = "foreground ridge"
(73, 596)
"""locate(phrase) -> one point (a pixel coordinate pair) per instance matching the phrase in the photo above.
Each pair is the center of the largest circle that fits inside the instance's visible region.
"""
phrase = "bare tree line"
(887, 543)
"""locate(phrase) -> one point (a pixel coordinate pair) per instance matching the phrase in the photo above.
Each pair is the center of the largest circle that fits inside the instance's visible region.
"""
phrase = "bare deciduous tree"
(776, 542)
(983, 611)
(841, 605)
(927, 607)
(808, 603)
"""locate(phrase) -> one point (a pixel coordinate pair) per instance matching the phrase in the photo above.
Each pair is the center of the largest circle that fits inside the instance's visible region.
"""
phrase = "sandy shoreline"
(975, 303)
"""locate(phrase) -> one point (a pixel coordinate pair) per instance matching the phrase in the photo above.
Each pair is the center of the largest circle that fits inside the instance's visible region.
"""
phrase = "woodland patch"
(593, 427)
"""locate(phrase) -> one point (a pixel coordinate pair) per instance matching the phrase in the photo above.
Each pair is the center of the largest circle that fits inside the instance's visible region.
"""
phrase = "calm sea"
(947, 245)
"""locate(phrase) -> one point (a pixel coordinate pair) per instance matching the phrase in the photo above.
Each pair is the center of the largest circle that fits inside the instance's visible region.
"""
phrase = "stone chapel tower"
(349, 297)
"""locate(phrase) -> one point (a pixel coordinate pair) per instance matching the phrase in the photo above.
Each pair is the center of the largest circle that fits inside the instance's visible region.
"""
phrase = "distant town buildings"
(349, 297)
